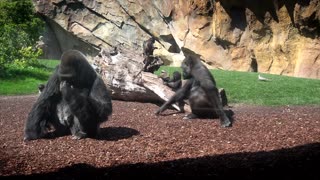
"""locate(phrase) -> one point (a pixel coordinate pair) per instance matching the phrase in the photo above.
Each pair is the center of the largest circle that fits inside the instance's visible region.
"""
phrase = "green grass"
(19, 81)
(244, 87)
(241, 87)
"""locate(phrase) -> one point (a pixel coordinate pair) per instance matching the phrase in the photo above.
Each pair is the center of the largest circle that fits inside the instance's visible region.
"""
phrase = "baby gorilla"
(201, 91)
(174, 83)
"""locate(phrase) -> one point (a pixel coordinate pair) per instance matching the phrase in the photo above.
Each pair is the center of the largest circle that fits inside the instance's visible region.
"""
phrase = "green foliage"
(28, 57)
(244, 87)
(19, 31)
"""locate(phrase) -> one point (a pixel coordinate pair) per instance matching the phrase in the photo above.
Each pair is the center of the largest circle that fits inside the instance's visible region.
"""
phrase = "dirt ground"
(263, 143)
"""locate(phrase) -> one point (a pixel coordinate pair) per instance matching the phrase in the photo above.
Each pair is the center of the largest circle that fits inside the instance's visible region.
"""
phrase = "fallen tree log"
(121, 71)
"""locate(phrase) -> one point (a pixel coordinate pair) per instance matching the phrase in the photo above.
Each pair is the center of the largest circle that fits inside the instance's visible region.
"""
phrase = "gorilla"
(151, 63)
(175, 83)
(40, 87)
(148, 47)
(74, 101)
(201, 91)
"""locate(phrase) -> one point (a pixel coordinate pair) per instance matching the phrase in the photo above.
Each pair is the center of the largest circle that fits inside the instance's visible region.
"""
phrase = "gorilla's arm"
(174, 85)
(181, 94)
(89, 106)
(100, 99)
(42, 111)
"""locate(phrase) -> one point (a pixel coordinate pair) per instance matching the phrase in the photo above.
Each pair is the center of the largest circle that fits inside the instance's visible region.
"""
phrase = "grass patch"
(244, 87)
(17, 80)
(241, 87)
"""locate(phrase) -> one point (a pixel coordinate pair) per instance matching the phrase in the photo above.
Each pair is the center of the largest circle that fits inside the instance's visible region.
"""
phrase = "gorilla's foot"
(190, 116)
(79, 135)
(225, 122)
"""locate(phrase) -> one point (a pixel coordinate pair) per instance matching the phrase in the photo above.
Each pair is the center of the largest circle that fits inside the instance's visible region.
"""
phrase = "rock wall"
(270, 36)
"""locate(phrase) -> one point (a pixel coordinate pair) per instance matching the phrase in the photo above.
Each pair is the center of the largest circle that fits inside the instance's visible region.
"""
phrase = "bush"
(20, 29)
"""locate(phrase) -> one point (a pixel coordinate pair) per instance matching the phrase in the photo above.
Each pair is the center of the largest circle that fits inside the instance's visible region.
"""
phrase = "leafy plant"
(19, 31)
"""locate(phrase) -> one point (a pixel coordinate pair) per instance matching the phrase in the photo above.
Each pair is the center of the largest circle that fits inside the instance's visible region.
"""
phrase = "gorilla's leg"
(70, 123)
(200, 106)
(76, 129)
(76, 107)
(179, 96)
(181, 104)
(217, 106)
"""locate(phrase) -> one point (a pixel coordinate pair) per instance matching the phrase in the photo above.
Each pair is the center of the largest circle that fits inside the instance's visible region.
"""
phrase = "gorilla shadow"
(228, 112)
(116, 133)
(287, 163)
(107, 133)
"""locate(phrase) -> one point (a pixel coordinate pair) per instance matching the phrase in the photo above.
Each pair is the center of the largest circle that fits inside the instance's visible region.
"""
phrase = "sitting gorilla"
(75, 100)
(175, 83)
(201, 91)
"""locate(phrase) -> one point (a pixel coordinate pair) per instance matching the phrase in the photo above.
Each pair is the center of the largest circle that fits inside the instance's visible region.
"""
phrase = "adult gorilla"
(201, 91)
(75, 100)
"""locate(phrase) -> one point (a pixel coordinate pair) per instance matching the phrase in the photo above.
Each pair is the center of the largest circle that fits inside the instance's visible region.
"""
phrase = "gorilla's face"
(76, 70)
(68, 74)
(186, 69)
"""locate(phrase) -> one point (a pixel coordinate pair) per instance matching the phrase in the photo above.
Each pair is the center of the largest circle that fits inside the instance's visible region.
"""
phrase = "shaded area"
(107, 133)
(174, 48)
(116, 133)
(297, 162)
(308, 25)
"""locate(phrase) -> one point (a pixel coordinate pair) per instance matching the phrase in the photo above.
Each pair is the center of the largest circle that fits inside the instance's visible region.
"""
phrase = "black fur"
(175, 83)
(148, 47)
(201, 91)
(75, 100)
(149, 60)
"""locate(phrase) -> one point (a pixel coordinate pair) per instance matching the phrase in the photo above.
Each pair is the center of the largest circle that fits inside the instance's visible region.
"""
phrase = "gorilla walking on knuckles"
(75, 100)
(201, 91)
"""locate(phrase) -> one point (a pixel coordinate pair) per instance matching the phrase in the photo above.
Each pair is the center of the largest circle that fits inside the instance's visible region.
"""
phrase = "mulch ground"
(263, 143)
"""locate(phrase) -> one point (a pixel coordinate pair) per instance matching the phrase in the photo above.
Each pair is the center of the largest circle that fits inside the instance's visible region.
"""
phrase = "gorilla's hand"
(158, 111)
(69, 92)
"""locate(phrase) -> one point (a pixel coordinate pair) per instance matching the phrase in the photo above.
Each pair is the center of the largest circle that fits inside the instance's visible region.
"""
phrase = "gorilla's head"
(76, 70)
(187, 65)
(176, 76)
